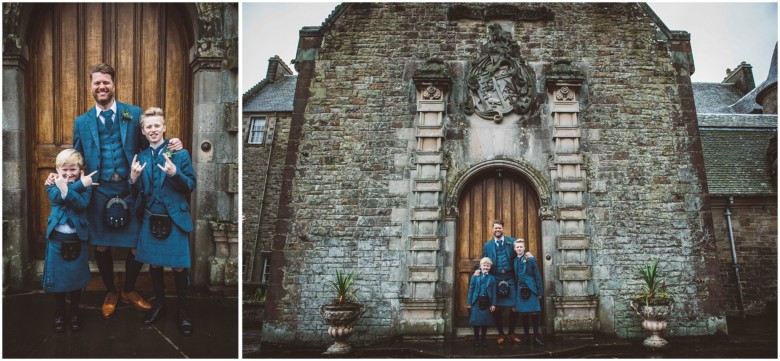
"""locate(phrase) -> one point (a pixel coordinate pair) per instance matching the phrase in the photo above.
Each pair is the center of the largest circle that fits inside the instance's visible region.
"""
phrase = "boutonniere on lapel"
(126, 115)
(168, 152)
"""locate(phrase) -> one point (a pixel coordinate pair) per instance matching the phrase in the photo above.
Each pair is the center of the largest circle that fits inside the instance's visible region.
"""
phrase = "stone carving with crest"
(499, 81)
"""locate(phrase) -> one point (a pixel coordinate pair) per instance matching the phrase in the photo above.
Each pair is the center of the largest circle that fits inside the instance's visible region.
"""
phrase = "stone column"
(15, 243)
(215, 141)
(575, 306)
(421, 309)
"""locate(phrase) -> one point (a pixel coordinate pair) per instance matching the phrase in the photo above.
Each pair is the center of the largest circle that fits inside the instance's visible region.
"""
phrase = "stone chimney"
(742, 77)
(276, 69)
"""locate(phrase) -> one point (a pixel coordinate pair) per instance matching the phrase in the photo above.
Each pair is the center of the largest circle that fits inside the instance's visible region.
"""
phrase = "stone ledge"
(423, 273)
(568, 158)
(572, 241)
(574, 273)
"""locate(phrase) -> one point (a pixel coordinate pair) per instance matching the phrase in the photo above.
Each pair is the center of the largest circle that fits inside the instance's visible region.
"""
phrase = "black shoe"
(75, 323)
(538, 341)
(476, 343)
(483, 343)
(59, 323)
(524, 340)
(158, 310)
(185, 325)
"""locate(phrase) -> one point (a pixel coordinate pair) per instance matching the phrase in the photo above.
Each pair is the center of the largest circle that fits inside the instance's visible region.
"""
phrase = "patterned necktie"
(107, 117)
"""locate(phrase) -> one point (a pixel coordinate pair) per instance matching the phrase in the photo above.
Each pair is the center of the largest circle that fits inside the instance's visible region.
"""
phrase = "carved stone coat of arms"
(499, 81)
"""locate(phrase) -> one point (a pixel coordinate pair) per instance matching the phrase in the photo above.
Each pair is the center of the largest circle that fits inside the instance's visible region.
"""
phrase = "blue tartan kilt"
(60, 275)
(173, 251)
(100, 233)
(506, 300)
(480, 317)
(530, 305)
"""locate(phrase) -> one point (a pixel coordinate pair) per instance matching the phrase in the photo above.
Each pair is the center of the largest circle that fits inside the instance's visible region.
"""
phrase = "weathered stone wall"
(263, 165)
(351, 197)
(754, 223)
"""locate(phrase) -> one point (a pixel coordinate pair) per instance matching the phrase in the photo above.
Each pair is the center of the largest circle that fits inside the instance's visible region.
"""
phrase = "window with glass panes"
(256, 130)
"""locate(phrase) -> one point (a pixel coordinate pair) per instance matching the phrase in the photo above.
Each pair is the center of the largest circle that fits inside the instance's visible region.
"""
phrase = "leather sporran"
(483, 302)
(503, 289)
(70, 250)
(525, 292)
(116, 213)
(160, 225)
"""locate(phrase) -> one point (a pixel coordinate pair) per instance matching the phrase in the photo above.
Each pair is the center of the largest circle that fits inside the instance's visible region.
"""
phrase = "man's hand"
(170, 168)
(175, 144)
(86, 180)
(50, 179)
(528, 255)
(492, 308)
(135, 169)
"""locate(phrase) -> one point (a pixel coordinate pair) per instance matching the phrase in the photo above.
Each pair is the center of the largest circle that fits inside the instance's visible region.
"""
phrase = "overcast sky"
(722, 34)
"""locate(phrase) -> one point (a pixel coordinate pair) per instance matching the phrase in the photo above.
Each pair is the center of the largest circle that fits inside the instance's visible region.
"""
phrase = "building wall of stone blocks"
(262, 178)
(754, 224)
(351, 191)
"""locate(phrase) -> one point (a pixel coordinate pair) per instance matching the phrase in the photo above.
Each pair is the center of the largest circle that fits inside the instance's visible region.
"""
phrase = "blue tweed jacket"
(173, 190)
(71, 208)
(87, 141)
(474, 291)
(528, 273)
(490, 250)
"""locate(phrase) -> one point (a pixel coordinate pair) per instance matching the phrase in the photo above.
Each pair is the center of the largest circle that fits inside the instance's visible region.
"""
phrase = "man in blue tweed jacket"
(108, 135)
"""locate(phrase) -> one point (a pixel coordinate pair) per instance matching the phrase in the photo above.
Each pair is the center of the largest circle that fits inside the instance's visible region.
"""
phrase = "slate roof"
(272, 97)
(715, 97)
(734, 147)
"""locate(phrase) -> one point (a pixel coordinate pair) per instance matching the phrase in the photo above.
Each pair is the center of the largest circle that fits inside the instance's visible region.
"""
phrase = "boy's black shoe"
(158, 310)
(185, 325)
(538, 341)
(75, 323)
(59, 323)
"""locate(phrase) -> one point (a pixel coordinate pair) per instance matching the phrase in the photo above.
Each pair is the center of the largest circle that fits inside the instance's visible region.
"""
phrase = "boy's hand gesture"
(492, 308)
(135, 169)
(86, 180)
(50, 179)
(170, 168)
(62, 183)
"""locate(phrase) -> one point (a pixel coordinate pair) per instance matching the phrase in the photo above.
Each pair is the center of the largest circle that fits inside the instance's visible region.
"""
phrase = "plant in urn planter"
(342, 313)
(653, 304)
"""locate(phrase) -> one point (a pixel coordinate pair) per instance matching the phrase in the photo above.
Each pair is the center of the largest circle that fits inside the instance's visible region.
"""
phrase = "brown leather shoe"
(501, 339)
(136, 300)
(514, 338)
(109, 305)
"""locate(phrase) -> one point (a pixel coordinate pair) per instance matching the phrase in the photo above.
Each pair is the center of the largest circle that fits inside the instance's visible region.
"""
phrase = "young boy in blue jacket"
(66, 268)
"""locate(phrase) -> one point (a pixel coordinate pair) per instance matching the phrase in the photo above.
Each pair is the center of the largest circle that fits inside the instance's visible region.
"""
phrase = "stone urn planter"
(654, 319)
(341, 318)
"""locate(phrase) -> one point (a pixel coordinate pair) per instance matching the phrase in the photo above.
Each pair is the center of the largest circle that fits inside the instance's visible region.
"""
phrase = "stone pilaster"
(575, 306)
(16, 263)
(215, 113)
(421, 309)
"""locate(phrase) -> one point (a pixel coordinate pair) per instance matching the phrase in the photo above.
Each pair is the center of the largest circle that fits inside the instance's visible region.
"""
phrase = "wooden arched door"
(492, 195)
(148, 45)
